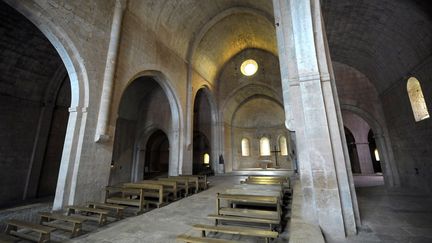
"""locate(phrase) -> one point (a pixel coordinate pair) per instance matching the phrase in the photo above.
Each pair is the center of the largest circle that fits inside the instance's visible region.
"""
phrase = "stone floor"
(390, 217)
(164, 224)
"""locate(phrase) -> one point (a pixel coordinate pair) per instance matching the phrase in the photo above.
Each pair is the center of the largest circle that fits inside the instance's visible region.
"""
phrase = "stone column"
(102, 133)
(365, 158)
(313, 112)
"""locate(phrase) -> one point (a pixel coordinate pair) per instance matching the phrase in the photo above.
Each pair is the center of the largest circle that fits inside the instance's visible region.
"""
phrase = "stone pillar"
(365, 158)
(102, 133)
(313, 112)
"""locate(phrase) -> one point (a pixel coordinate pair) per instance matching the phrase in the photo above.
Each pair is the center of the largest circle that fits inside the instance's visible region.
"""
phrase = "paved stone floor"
(386, 217)
(390, 217)
(164, 224)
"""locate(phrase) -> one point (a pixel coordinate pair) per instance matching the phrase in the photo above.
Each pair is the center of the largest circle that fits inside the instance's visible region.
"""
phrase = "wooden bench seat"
(150, 191)
(250, 213)
(193, 181)
(112, 197)
(170, 187)
(118, 209)
(237, 230)
(202, 180)
(195, 239)
(182, 183)
(13, 225)
(5, 238)
(270, 222)
(50, 219)
(88, 213)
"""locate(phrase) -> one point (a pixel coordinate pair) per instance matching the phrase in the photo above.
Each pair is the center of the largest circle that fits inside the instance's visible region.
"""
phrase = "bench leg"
(102, 219)
(76, 230)
(10, 228)
(119, 214)
(44, 238)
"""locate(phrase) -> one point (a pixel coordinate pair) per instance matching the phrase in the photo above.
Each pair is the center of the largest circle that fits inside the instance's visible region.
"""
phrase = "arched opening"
(283, 146)
(145, 132)
(201, 147)
(35, 95)
(418, 103)
(265, 147)
(202, 133)
(375, 154)
(352, 150)
(156, 155)
(245, 147)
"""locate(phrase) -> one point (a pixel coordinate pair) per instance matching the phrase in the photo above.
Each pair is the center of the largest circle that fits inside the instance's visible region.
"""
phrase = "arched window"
(283, 146)
(206, 159)
(245, 147)
(417, 100)
(264, 146)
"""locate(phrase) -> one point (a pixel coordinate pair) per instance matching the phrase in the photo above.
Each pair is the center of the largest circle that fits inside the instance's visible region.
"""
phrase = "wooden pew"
(123, 200)
(118, 209)
(269, 180)
(169, 186)
(247, 215)
(78, 211)
(192, 180)
(150, 191)
(50, 219)
(202, 180)
(44, 232)
(194, 239)
(182, 183)
(237, 230)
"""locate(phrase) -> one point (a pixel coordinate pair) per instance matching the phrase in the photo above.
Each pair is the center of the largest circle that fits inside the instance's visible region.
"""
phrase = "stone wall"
(411, 139)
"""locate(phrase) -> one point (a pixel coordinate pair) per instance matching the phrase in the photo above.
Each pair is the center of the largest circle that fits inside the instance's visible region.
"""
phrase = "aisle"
(164, 224)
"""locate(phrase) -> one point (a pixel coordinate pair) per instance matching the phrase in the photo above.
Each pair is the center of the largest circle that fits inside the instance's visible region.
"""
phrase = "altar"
(265, 163)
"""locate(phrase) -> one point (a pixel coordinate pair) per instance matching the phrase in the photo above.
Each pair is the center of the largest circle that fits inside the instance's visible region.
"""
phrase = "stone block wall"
(411, 140)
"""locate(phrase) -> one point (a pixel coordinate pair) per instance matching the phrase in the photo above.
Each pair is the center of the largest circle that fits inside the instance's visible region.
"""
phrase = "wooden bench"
(218, 218)
(150, 191)
(111, 197)
(4, 238)
(202, 180)
(269, 180)
(237, 230)
(248, 215)
(182, 183)
(118, 209)
(87, 213)
(49, 219)
(44, 232)
(169, 186)
(193, 181)
(195, 239)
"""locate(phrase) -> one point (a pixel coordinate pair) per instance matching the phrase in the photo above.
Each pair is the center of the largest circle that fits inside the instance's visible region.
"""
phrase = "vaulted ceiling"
(384, 39)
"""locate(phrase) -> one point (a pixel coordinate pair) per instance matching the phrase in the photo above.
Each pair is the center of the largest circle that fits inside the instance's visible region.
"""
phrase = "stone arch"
(215, 141)
(242, 93)
(391, 174)
(76, 69)
(175, 136)
(207, 26)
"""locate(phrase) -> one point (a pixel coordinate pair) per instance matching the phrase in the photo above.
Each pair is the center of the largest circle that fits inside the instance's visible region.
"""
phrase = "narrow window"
(206, 159)
(264, 146)
(417, 100)
(245, 147)
(283, 146)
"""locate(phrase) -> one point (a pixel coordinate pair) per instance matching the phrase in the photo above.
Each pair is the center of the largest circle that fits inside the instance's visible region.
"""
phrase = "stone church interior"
(215, 121)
